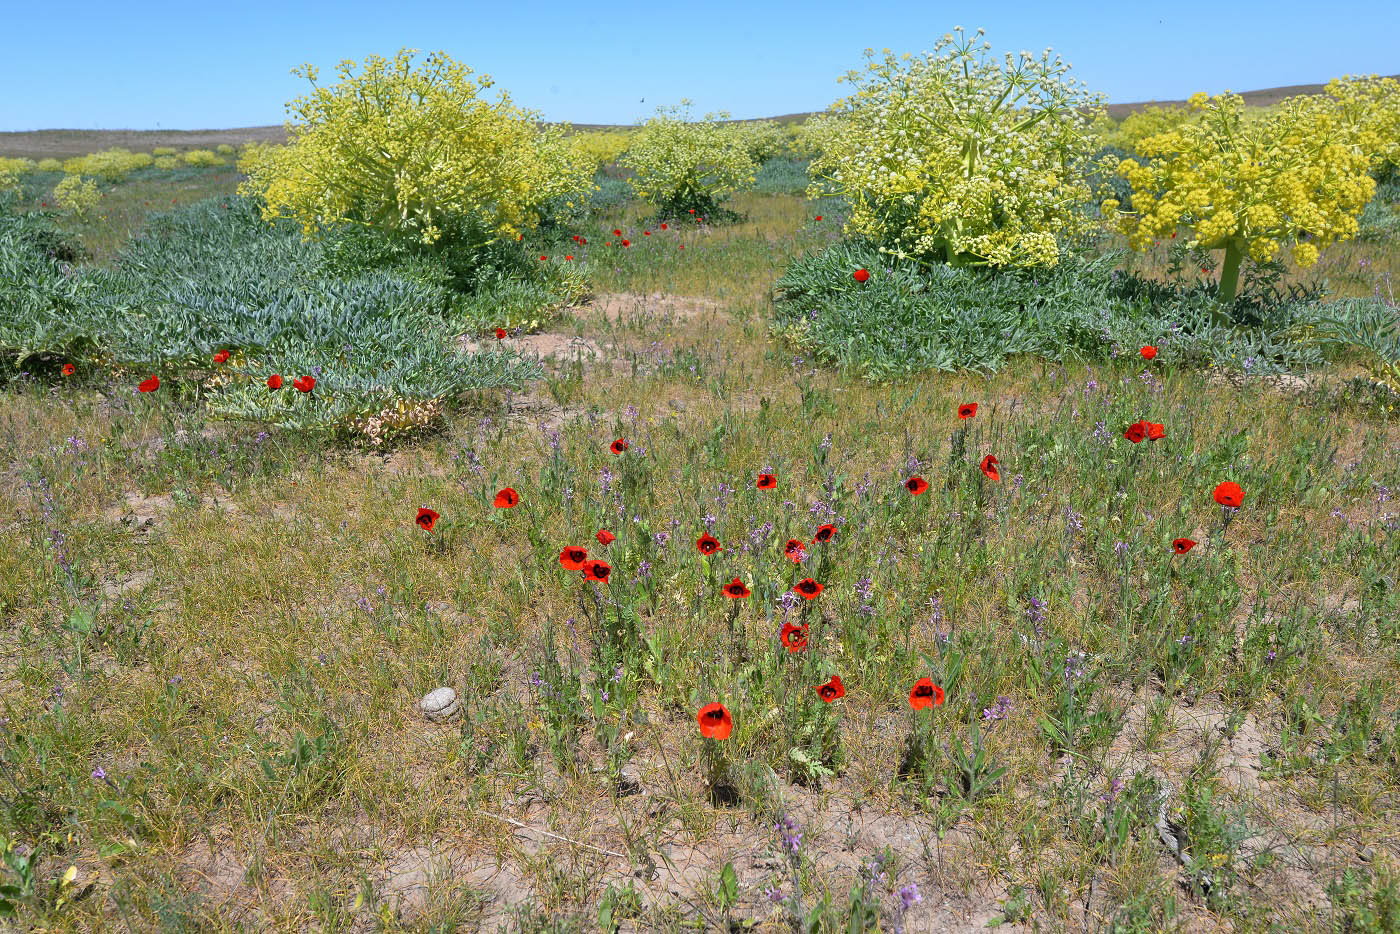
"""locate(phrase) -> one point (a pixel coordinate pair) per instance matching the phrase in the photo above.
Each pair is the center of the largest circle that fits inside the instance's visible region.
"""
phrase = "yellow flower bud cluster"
(679, 161)
(1369, 110)
(953, 156)
(1249, 185)
(1137, 126)
(404, 149)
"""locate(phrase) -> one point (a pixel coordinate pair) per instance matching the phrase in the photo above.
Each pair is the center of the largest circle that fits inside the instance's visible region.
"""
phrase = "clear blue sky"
(197, 65)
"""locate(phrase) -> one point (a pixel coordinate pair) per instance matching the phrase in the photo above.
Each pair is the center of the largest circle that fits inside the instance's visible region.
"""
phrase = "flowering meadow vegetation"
(957, 510)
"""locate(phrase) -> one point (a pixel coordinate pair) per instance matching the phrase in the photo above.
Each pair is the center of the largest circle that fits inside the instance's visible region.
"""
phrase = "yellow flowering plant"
(601, 147)
(1369, 109)
(1244, 186)
(201, 157)
(110, 165)
(412, 152)
(682, 164)
(952, 156)
(1140, 124)
(77, 194)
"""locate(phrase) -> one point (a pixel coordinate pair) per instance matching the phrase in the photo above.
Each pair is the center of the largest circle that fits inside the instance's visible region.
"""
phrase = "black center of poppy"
(923, 691)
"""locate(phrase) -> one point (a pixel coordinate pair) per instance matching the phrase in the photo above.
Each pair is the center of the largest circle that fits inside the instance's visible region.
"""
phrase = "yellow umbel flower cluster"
(955, 157)
(681, 162)
(1150, 121)
(408, 150)
(1293, 176)
(1369, 109)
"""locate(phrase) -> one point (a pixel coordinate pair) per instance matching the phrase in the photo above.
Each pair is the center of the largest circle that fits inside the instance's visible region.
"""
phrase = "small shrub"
(167, 162)
(409, 151)
(683, 165)
(201, 157)
(77, 195)
(953, 157)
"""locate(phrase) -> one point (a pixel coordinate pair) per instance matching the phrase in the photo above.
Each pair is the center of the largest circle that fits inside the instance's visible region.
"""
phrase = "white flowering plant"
(952, 156)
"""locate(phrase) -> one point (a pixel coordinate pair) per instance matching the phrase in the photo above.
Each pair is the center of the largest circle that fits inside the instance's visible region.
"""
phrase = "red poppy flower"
(646, 233)
(500, 334)
(860, 275)
(221, 357)
(831, 690)
(1230, 494)
(605, 537)
(305, 384)
(274, 381)
(149, 384)
(736, 589)
(543, 258)
(618, 446)
(1136, 432)
(426, 519)
(825, 534)
(573, 558)
(574, 238)
(681, 247)
(626, 242)
(1205, 271)
(715, 722)
(1148, 352)
(583, 241)
(692, 210)
(507, 499)
(967, 410)
(925, 694)
(808, 588)
(609, 243)
(708, 544)
(766, 481)
(520, 237)
(989, 467)
(596, 571)
(794, 637)
(616, 232)
(570, 256)
(916, 485)
(69, 369)
(819, 217)
(1182, 545)
(663, 227)
(1156, 431)
(794, 550)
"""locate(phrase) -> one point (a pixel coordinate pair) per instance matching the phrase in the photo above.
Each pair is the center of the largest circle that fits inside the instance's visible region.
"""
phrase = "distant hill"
(62, 144)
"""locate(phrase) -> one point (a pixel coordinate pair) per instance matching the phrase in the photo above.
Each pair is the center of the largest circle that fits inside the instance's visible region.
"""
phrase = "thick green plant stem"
(1229, 279)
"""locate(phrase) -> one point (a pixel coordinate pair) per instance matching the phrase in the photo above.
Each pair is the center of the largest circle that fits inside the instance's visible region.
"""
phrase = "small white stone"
(440, 704)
